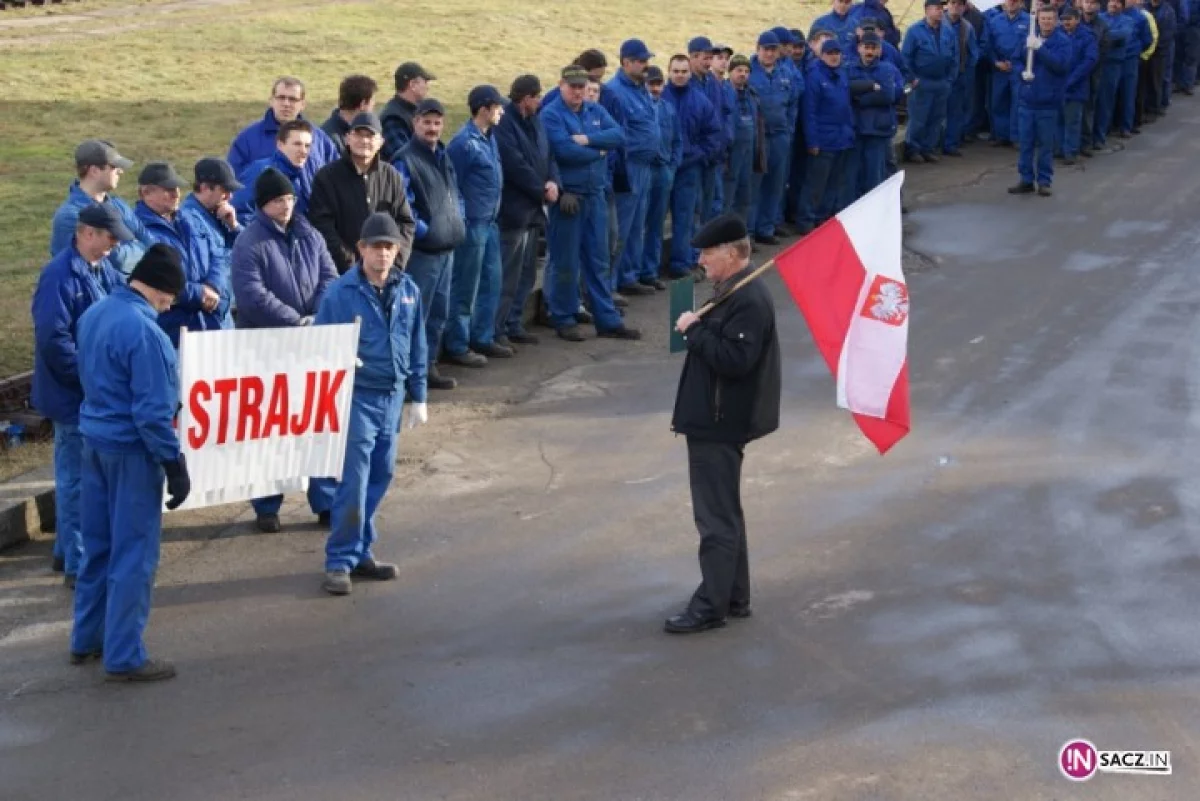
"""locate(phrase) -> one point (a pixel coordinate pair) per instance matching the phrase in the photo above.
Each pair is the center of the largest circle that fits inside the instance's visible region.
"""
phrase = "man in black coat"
(347, 191)
(728, 396)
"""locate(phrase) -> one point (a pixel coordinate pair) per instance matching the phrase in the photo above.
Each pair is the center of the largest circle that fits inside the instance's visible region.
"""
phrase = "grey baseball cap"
(100, 153)
(380, 227)
(160, 173)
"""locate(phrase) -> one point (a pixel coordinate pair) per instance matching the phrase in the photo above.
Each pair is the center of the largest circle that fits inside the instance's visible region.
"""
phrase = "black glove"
(179, 483)
(568, 204)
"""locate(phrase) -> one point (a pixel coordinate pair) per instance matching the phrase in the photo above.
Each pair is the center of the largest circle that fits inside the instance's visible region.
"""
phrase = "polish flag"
(846, 277)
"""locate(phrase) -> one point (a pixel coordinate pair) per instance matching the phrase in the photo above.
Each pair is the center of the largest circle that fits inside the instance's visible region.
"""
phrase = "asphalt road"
(929, 626)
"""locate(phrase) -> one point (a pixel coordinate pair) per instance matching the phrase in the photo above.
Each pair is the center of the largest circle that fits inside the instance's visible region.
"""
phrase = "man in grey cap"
(99, 167)
(391, 354)
(355, 186)
(412, 86)
(76, 278)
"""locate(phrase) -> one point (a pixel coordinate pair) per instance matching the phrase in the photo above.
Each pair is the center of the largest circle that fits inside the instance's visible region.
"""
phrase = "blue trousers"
(1106, 101)
(366, 473)
(518, 247)
(68, 459)
(718, 203)
(824, 184)
(579, 243)
(433, 273)
(657, 200)
(1188, 56)
(474, 289)
(1070, 134)
(1036, 131)
(685, 195)
(958, 111)
(1004, 104)
(871, 154)
(710, 176)
(767, 203)
(1164, 95)
(927, 114)
(631, 220)
(981, 94)
(793, 194)
(1127, 94)
(121, 522)
(739, 178)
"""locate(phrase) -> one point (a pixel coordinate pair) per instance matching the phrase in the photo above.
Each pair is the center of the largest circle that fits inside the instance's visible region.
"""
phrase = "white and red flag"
(847, 279)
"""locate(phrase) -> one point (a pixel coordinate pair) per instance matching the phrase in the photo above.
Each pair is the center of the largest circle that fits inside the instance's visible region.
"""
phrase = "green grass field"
(176, 80)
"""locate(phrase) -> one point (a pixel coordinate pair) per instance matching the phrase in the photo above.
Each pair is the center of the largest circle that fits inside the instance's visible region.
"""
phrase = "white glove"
(418, 415)
(1027, 76)
(1035, 42)
(306, 320)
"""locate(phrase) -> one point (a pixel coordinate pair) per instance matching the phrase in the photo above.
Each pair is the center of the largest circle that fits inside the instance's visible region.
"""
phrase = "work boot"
(620, 332)
(571, 333)
(337, 582)
(636, 289)
(151, 670)
(492, 350)
(689, 622)
(374, 571)
(1044, 191)
(84, 658)
(619, 300)
(523, 338)
(653, 283)
(467, 358)
(1021, 189)
(268, 524)
(435, 380)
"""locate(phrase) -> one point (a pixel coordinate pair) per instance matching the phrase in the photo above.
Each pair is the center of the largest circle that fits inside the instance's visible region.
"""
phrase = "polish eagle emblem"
(887, 301)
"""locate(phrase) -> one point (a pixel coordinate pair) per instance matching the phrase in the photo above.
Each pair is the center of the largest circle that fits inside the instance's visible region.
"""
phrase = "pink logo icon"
(1078, 760)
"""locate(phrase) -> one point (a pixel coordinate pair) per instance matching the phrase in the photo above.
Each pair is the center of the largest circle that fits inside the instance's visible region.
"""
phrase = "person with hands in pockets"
(392, 357)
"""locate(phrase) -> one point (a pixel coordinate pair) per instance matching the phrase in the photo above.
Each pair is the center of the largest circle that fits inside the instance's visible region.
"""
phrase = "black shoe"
(1001, 143)
(58, 565)
(467, 358)
(653, 283)
(492, 350)
(740, 611)
(69, 581)
(583, 317)
(375, 571)
(690, 623)
(523, 338)
(324, 518)
(1021, 189)
(83, 659)
(571, 333)
(957, 154)
(1086, 152)
(619, 300)
(151, 670)
(268, 524)
(504, 342)
(1044, 191)
(771, 240)
(436, 380)
(930, 158)
(635, 289)
(1069, 161)
(621, 332)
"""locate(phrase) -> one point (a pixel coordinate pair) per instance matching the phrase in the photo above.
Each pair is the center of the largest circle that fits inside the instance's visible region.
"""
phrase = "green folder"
(683, 298)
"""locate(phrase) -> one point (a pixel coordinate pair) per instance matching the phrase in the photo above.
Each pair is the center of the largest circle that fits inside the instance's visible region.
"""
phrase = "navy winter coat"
(875, 110)
(699, 123)
(279, 277)
(528, 166)
(828, 115)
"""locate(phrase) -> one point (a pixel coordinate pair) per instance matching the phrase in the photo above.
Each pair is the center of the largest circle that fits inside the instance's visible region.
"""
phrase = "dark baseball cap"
(635, 49)
(575, 75)
(830, 46)
(380, 227)
(162, 174)
(484, 96)
(105, 218)
(100, 153)
(429, 106)
(783, 34)
(367, 119)
(409, 71)
(218, 172)
(700, 44)
(768, 39)
(870, 37)
(654, 74)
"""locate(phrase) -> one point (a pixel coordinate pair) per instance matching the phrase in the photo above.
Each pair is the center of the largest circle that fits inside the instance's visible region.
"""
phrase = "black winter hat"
(270, 184)
(723, 230)
(161, 268)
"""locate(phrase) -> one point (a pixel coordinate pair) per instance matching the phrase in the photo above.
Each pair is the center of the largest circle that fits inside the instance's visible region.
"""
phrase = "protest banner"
(263, 410)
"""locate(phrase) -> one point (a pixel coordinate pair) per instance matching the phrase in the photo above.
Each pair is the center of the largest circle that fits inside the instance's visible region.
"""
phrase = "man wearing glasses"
(257, 140)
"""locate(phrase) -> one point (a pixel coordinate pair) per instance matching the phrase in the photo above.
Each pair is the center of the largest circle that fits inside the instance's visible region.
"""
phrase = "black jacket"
(342, 200)
(337, 128)
(528, 165)
(731, 382)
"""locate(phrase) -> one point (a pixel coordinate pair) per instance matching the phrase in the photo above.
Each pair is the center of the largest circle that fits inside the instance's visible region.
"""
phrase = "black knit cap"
(270, 184)
(722, 230)
(161, 268)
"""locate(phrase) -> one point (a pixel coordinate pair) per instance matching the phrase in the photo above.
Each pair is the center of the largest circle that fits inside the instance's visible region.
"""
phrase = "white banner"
(264, 409)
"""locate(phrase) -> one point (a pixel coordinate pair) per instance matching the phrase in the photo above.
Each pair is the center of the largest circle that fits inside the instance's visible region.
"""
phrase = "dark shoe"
(619, 300)
(151, 670)
(770, 240)
(1086, 152)
(930, 158)
(913, 158)
(584, 317)
(1021, 189)
(957, 154)
(436, 380)
(653, 283)
(571, 333)
(492, 350)
(467, 358)
(740, 611)
(58, 565)
(784, 230)
(83, 659)
(69, 581)
(374, 571)
(504, 342)
(690, 623)
(337, 582)
(620, 333)
(268, 524)
(523, 338)
(1069, 161)
(324, 518)
(635, 289)
(1123, 135)
(1001, 143)
(1044, 191)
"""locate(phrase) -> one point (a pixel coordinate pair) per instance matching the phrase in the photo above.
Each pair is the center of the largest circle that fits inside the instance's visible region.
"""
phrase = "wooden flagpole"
(712, 304)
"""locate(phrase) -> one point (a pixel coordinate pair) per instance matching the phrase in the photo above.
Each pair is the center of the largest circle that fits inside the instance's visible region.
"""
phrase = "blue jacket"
(1085, 52)
(1167, 22)
(1004, 38)
(243, 199)
(257, 141)
(205, 262)
(828, 115)
(476, 159)
(729, 116)
(699, 124)
(1120, 33)
(1142, 37)
(874, 9)
(125, 256)
(931, 55)
(391, 336)
(1051, 64)
(968, 50)
(746, 115)
(713, 89)
(608, 102)
(875, 111)
(1190, 14)
(797, 72)
(777, 96)
(670, 135)
(584, 168)
(66, 288)
(130, 379)
(635, 102)
(841, 27)
(528, 166)
(279, 278)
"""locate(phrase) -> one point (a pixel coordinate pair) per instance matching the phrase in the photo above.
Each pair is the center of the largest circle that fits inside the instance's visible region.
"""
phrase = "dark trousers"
(518, 253)
(715, 473)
